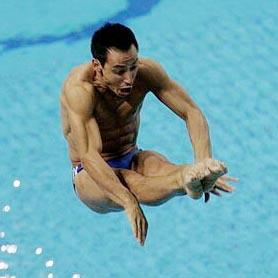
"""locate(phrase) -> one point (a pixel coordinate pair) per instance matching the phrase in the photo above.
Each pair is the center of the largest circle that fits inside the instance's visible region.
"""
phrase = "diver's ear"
(97, 66)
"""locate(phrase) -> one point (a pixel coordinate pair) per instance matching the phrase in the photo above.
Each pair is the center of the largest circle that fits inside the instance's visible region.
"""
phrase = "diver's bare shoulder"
(152, 74)
(80, 77)
(78, 90)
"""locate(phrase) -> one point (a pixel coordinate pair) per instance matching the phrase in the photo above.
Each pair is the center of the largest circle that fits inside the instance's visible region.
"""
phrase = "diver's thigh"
(92, 195)
(151, 163)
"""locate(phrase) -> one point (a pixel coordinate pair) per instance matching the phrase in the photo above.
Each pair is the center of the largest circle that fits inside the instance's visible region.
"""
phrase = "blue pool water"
(225, 54)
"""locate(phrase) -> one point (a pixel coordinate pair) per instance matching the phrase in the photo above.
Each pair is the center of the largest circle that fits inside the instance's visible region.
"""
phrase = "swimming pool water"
(225, 54)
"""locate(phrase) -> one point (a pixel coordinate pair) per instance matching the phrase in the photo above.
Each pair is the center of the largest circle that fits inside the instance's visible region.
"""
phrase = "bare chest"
(114, 113)
(118, 121)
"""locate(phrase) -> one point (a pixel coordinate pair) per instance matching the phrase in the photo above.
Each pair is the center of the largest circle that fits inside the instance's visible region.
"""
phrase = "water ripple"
(134, 9)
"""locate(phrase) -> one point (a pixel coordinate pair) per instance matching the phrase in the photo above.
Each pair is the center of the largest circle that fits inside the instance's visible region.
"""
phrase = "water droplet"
(38, 251)
(6, 208)
(2, 234)
(50, 275)
(16, 183)
(12, 248)
(3, 248)
(49, 263)
(76, 275)
(3, 265)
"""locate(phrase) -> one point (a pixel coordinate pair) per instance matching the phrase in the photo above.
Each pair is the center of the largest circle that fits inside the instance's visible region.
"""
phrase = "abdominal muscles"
(120, 138)
(117, 139)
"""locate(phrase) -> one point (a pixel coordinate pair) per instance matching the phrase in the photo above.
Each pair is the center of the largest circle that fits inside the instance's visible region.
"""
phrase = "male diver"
(100, 107)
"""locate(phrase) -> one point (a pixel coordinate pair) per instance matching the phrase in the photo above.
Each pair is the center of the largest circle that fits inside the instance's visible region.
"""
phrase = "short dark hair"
(111, 35)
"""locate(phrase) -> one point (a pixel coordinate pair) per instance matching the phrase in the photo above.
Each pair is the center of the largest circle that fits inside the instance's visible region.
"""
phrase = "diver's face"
(120, 69)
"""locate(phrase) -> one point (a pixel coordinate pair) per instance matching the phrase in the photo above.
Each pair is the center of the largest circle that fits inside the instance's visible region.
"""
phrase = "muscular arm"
(84, 130)
(176, 98)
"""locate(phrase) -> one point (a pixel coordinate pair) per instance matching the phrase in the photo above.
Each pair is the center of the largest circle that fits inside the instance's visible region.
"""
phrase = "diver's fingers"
(136, 230)
(140, 226)
(221, 185)
(227, 178)
(139, 230)
(134, 225)
(215, 192)
(144, 231)
(137, 221)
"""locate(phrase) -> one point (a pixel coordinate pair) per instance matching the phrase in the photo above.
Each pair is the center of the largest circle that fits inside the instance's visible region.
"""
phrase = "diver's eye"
(133, 67)
(119, 72)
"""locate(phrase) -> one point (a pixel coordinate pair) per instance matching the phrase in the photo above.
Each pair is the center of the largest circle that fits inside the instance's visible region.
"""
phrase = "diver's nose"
(128, 77)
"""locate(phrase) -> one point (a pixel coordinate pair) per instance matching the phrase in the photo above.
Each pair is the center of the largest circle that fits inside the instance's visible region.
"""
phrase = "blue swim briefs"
(123, 162)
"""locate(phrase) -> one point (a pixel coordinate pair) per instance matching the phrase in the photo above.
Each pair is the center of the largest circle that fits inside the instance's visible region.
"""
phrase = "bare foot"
(192, 176)
(200, 177)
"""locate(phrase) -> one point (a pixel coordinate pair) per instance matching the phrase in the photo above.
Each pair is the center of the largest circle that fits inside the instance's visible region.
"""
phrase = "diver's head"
(115, 57)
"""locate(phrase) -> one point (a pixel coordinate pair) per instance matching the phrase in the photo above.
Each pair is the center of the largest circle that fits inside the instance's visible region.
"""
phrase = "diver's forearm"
(109, 183)
(199, 135)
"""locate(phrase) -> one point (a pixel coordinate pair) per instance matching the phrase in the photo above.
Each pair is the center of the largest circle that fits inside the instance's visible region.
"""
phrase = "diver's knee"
(100, 204)
(101, 208)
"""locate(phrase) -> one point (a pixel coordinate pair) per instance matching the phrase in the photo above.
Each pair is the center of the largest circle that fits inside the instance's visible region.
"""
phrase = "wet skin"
(100, 109)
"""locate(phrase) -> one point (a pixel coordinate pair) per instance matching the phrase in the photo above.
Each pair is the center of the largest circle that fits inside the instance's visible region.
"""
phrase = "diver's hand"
(221, 184)
(138, 222)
